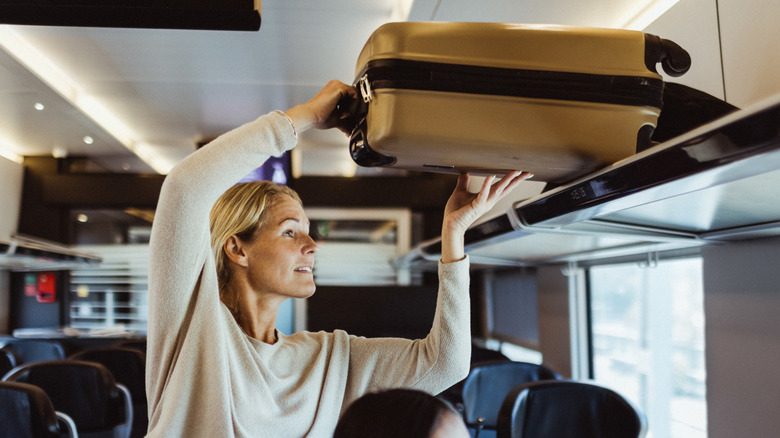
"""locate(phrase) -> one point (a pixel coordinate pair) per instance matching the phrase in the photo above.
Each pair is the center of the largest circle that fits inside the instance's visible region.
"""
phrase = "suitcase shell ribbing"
(558, 101)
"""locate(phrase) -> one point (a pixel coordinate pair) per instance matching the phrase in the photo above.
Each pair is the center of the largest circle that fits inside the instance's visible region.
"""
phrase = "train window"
(647, 341)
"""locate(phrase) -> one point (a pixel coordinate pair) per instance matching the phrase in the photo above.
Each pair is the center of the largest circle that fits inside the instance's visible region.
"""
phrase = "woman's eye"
(288, 233)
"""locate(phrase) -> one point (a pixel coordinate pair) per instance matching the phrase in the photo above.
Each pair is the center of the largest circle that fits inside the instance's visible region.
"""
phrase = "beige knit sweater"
(206, 378)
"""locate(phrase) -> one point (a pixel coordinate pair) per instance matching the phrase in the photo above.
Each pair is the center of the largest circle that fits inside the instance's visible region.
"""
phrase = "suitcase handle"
(673, 58)
(348, 104)
(350, 109)
(677, 61)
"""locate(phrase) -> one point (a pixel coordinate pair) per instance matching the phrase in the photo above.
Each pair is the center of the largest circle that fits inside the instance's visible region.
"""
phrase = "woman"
(220, 368)
(400, 413)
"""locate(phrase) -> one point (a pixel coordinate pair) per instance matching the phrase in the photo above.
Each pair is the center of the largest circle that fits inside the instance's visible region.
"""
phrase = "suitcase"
(558, 101)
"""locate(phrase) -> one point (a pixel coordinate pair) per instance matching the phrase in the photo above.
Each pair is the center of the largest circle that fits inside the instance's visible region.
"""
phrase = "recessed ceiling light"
(82, 218)
(88, 139)
(13, 42)
(39, 106)
(59, 152)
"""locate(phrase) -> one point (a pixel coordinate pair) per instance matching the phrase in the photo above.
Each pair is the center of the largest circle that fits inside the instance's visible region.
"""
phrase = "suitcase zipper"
(364, 88)
(441, 77)
(584, 87)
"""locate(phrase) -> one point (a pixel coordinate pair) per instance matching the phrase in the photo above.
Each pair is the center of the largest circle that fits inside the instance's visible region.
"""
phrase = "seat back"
(26, 412)
(8, 361)
(134, 343)
(484, 355)
(34, 350)
(85, 391)
(128, 366)
(479, 354)
(568, 409)
(488, 383)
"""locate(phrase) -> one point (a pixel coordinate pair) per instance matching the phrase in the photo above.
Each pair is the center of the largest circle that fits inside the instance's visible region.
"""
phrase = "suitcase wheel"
(362, 154)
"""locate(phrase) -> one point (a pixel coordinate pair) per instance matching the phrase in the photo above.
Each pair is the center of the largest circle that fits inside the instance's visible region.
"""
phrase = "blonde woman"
(216, 365)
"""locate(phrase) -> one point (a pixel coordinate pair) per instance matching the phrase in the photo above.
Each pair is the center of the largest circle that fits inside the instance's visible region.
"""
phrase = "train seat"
(34, 350)
(128, 366)
(486, 386)
(85, 391)
(26, 411)
(568, 409)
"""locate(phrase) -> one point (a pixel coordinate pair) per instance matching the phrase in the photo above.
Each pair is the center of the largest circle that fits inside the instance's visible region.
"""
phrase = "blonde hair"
(240, 212)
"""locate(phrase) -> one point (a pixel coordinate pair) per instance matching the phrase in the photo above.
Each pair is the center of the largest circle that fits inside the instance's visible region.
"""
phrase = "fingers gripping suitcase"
(558, 101)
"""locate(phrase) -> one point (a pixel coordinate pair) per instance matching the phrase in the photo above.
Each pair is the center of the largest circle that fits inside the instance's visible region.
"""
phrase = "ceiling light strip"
(40, 65)
(7, 154)
(401, 10)
(651, 12)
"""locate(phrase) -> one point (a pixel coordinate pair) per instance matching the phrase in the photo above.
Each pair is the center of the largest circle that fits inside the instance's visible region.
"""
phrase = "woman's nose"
(310, 247)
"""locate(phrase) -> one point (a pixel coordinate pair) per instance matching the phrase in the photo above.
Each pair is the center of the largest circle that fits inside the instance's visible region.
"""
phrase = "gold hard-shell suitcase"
(558, 101)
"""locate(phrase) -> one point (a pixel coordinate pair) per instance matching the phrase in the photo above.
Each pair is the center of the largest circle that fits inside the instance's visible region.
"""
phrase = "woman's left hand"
(464, 208)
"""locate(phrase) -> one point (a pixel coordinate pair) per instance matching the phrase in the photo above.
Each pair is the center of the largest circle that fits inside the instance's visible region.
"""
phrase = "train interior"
(655, 276)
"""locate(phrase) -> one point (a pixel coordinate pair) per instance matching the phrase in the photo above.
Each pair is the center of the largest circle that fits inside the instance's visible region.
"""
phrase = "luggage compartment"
(558, 101)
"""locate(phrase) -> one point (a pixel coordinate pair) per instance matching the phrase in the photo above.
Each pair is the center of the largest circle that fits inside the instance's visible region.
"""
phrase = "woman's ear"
(235, 251)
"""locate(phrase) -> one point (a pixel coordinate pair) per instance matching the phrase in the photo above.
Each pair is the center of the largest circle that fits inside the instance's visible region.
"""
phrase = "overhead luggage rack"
(742, 145)
(713, 184)
(26, 254)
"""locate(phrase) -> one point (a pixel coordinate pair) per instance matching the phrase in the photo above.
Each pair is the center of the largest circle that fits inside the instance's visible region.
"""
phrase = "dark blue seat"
(8, 361)
(128, 366)
(486, 386)
(27, 412)
(135, 343)
(568, 409)
(35, 350)
(85, 391)
(454, 394)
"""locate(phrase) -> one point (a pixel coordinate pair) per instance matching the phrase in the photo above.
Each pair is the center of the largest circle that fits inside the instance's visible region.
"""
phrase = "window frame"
(581, 294)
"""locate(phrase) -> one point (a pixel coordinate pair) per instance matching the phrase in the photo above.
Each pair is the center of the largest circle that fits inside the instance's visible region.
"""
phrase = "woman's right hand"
(320, 112)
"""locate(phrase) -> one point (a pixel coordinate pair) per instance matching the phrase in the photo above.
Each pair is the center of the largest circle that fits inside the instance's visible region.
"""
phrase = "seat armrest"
(124, 430)
(64, 419)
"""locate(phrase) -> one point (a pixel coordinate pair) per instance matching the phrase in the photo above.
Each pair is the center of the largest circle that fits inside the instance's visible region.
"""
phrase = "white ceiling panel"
(597, 13)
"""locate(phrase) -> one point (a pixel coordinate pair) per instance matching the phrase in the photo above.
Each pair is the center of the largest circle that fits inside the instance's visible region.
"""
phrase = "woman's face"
(281, 258)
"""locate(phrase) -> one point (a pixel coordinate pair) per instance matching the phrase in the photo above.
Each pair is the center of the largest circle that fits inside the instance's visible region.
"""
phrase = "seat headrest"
(26, 411)
(86, 391)
(568, 409)
(128, 366)
(488, 383)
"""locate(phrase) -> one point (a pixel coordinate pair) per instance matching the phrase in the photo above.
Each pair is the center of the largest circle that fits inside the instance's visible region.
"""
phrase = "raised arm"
(180, 236)
(442, 358)
(180, 244)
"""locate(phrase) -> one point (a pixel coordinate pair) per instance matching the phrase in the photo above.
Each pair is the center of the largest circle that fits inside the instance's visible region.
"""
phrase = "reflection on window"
(647, 325)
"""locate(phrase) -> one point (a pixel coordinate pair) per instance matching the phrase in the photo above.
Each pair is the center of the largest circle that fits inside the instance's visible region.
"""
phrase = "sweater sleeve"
(432, 364)
(180, 240)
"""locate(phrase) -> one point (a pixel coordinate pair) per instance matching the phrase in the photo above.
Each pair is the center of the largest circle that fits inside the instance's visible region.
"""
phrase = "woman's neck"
(258, 318)
(265, 335)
